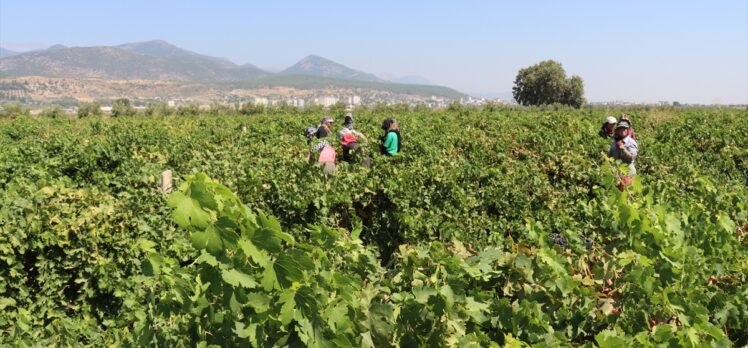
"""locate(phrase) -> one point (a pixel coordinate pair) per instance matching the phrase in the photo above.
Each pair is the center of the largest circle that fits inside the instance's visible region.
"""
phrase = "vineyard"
(493, 227)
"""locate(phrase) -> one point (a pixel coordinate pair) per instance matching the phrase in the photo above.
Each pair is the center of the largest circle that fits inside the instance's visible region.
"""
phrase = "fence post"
(166, 181)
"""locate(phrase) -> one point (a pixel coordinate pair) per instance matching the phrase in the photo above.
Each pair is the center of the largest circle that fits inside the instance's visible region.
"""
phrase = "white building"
(354, 100)
(327, 101)
(297, 102)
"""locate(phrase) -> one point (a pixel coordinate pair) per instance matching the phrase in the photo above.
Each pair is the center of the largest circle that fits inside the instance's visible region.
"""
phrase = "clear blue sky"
(689, 51)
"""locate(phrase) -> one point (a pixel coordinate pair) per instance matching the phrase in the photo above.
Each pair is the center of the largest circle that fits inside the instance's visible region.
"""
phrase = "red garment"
(348, 138)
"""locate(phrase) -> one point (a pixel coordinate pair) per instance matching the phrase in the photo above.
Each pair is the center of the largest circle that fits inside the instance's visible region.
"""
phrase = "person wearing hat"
(310, 133)
(348, 120)
(322, 150)
(325, 127)
(348, 137)
(392, 140)
(624, 148)
(627, 117)
(608, 128)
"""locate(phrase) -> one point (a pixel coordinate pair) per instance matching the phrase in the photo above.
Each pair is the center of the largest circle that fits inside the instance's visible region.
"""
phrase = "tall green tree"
(13, 110)
(159, 108)
(546, 83)
(89, 109)
(122, 107)
(574, 92)
(54, 111)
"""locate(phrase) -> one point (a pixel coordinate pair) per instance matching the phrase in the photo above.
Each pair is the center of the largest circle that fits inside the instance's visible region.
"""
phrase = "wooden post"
(166, 181)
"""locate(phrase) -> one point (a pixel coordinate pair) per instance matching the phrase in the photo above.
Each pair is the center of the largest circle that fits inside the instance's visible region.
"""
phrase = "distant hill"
(317, 66)
(161, 61)
(317, 82)
(274, 87)
(153, 60)
(7, 53)
(52, 48)
(159, 48)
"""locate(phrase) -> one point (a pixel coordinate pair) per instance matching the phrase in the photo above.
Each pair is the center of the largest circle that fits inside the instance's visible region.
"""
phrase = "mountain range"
(152, 60)
(317, 66)
(160, 60)
(7, 53)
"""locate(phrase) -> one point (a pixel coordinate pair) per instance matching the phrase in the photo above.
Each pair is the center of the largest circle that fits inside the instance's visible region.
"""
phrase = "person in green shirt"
(391, 141)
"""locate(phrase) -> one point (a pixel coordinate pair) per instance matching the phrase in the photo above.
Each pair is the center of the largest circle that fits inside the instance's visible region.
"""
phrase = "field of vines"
(493, 227)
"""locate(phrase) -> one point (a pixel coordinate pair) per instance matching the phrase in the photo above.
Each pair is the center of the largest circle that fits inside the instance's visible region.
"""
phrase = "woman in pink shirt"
(322, 146)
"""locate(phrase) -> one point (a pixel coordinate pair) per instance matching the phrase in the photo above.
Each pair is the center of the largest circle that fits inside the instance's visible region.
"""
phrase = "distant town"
(37, 93)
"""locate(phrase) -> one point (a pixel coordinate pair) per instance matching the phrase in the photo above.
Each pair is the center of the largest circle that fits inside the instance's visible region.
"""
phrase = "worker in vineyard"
(311, 133)
(322, 150)
(608, 127)
(627, 117)
(325, 127)
(348, 138)
(624, 148)
(392, 140)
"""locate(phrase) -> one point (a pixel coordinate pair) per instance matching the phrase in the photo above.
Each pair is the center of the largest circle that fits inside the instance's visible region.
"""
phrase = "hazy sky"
(687, 51)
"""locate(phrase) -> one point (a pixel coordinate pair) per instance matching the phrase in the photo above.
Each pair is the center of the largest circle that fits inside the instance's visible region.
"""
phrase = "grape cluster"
(558, 239)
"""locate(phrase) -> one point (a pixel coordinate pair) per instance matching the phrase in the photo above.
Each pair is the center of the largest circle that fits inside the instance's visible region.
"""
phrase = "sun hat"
(623, 124)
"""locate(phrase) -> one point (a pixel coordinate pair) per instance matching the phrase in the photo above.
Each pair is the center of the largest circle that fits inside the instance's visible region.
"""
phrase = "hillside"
(317, 66)
(161, 61)
(121, 64)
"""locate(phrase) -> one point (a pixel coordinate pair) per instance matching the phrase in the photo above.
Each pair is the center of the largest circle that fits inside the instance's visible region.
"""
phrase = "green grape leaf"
(237, 278)
(258, 256)
(188, 212)
(290, 266)
(266, 238)
(259, 301)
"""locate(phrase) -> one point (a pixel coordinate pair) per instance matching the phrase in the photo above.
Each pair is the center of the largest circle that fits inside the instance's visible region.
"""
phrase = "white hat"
(611, 120)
